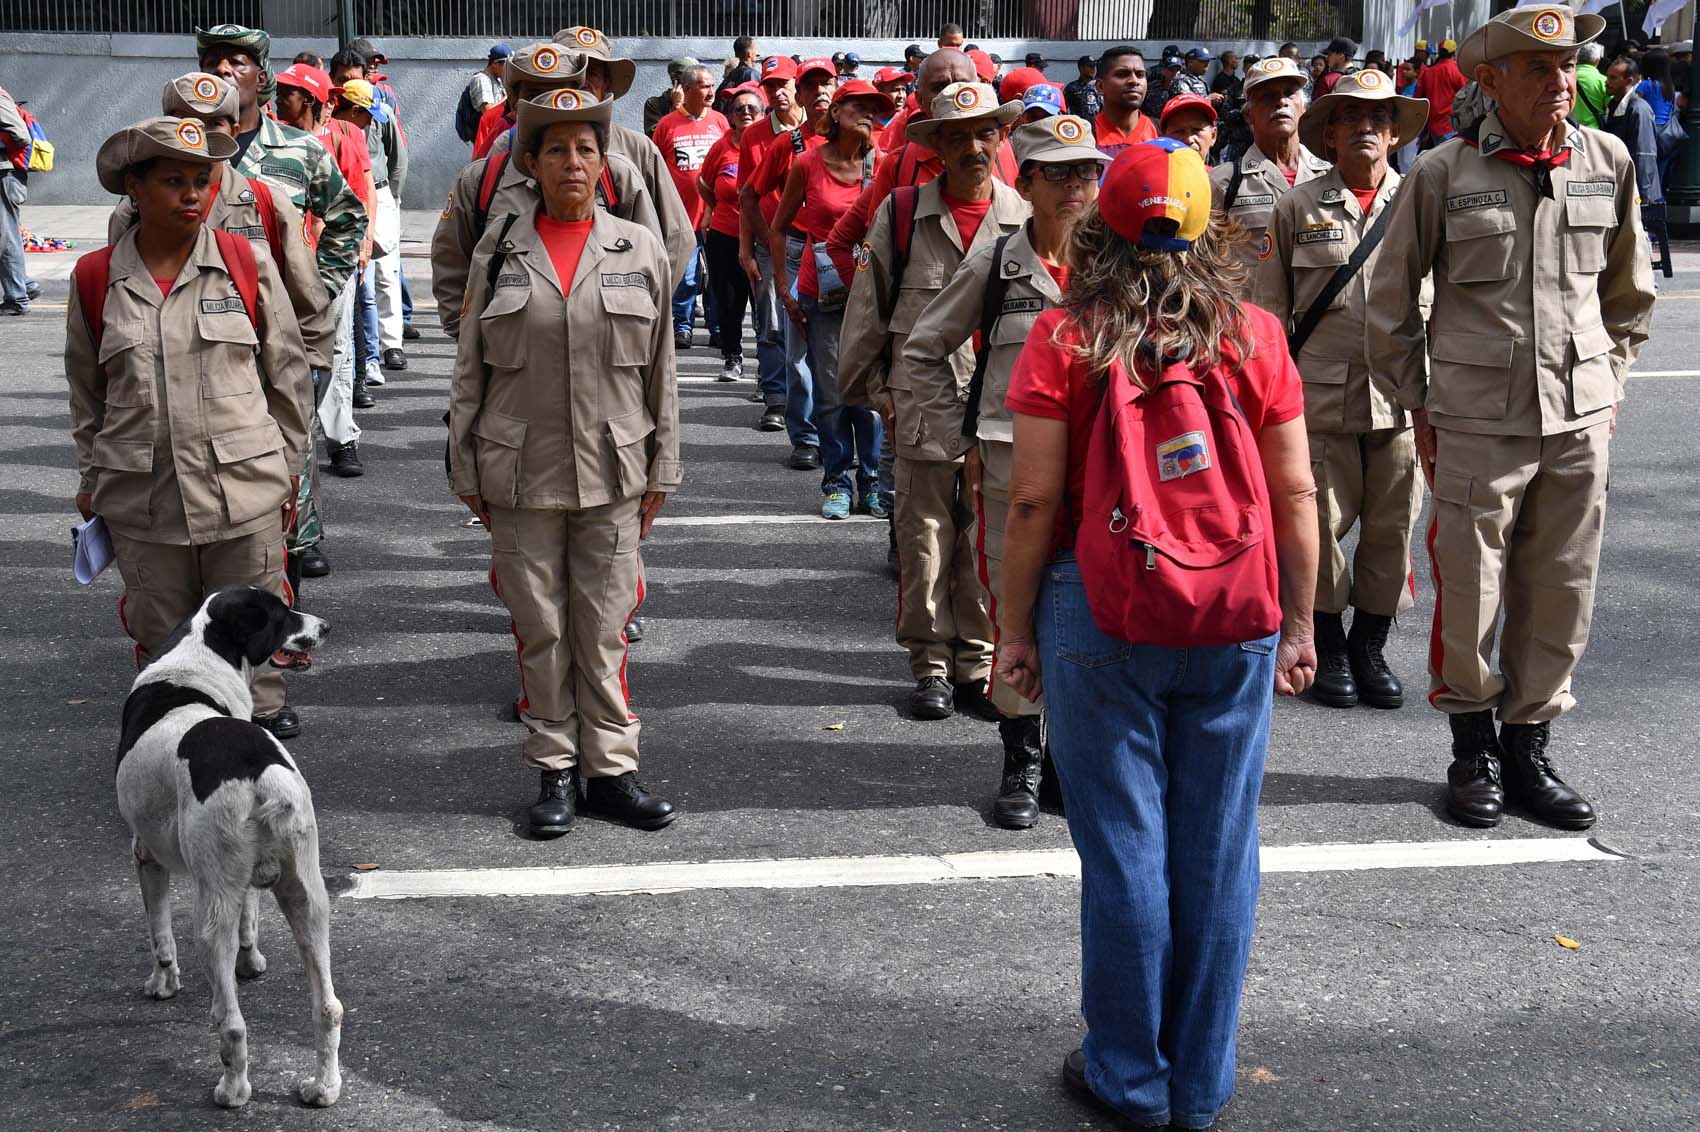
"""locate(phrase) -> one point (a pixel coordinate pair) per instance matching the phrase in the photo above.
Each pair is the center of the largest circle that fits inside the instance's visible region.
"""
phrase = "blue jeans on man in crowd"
(799, 383)
(848, 433)
(368, 346)
(14, 275)
(406, 302)
(1160, 753)
(770, 332)
(685, 294)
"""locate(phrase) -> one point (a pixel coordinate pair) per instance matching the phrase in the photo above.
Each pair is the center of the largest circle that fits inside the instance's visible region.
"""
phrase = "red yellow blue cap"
(1157, 194)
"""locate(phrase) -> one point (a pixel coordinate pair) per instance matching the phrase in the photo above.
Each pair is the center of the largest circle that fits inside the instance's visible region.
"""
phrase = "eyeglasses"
(1079, 170)
(1374, 115)
(749, 108)
(985, 135)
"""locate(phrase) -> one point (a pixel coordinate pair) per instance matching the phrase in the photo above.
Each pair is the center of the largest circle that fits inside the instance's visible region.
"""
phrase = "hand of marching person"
(1295, 665)
(475, 504)
(85, 504)
(1426, 445)
(652, 501)
(1018, 666)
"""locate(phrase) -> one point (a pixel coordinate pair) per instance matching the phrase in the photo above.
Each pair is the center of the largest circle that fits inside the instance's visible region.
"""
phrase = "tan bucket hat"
(185, 139)
(1367, 85)
(594, 45)
(543, 64)
(1276, 67)
(200, 95)
(1059, 140)
(1550, 27)
(563, 105)
(963, 102)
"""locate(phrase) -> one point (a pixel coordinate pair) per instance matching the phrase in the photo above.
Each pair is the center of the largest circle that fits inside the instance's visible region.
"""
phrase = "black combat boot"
(1474, 795)
(623, 798)
(556, 807)
(362, 398)
(1377, 686)
(1334, 684)
(345, 459)
(1533, 785)
(1017, 803)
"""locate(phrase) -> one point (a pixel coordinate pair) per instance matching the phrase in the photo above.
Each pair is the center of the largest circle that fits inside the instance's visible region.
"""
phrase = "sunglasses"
(1079, 170)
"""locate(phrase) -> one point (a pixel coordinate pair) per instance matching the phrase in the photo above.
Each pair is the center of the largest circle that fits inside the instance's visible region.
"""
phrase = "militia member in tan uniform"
(531, 71)
(564, 439)
(1059, 167)
(191, 412)
(1543, 293)
(942, 616)
(1248, 188)
(1361, 450)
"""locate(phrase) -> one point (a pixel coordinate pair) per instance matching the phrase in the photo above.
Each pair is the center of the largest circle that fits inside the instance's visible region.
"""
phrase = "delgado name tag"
(625, 279)
(1320, 236)
(1475, 200)
(1591, 189)
(1259, 200)
(229, 305)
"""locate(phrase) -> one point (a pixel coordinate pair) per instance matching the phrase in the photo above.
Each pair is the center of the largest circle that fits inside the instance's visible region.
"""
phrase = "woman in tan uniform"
(564, 439)
(190, 401)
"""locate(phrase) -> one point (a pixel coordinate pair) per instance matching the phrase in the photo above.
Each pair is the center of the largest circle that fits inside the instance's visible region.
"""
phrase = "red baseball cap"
(817, 64)
(310, 79)
(892, 75)
(862, 88)
(747, 88)
(983, 65)
(1015, 83)
(1162, 181)
(778, 68)
(1187, 102)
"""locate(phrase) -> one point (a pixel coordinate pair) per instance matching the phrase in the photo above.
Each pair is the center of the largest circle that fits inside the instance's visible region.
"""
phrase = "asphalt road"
(1403, 999)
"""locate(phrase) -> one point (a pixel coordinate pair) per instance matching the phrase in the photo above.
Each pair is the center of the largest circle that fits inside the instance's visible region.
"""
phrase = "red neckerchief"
(1542, 161)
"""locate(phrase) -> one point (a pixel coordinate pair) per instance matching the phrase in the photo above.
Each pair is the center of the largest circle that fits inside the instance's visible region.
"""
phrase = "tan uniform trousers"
(1517, 527)
(1369, 479)
(571, 580)
(164, 583)
(997, 459)
(941, 606)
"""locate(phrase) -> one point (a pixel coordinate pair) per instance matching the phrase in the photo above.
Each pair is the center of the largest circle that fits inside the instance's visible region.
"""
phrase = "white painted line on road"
(753, 520)
(1639, 374)
(862, 872)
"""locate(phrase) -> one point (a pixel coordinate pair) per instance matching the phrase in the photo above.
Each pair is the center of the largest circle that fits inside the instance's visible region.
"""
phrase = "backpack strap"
(494, 165)
(1337, 282)
(93, 272)
(990, 308)
(797, 143)
(1233, 191)
(902, 230)
(238, 255)
(268, 216)
(501, 256)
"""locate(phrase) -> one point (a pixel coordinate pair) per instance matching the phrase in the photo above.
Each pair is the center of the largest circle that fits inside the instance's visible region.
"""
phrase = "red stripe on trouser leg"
(519, 645)
(124, 620)
(288, 590)
(625, 691)
(1436, 646)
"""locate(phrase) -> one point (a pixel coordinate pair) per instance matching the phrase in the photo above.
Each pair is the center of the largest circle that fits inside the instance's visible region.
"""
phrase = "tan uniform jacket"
(458, 232)
(950, 320)
(566, 402)
(935, 252)
(1539, 305)
(1315, 229)
(676, 233)
(233, 210)
(187, 422)
(1254, 203)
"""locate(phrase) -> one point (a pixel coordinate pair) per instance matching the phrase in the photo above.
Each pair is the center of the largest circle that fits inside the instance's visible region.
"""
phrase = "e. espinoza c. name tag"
(1475, 200)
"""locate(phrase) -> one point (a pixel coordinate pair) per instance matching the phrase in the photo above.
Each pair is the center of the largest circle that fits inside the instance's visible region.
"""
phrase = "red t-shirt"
(776, 162)
(684, 143)
(1366, 198)
(1111, 141)
(968, 214)
(564, 240)
(1059, 273)
(495, 122)
(347, 144)
(758, 137)
(164, 285)
(1292, 175)
(720, 170)
(1440, 83)
(825, 199)
(1050, 381)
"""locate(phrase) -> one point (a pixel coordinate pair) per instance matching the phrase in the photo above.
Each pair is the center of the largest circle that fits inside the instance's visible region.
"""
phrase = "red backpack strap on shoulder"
(268, 216)
(493, 168)
(238, 256)
(93, 272)
(903, 218)
(610, 198)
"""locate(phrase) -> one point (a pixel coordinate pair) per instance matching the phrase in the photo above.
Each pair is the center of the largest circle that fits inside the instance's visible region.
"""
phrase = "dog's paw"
(232, 1094)
(162, 984)
(320, 1094)
(250, 964)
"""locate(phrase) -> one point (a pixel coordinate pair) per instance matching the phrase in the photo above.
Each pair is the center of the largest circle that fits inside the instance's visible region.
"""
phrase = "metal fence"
(1179, 21)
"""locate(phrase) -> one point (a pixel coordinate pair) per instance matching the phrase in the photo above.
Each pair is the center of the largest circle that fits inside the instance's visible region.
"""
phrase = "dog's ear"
(270, 628)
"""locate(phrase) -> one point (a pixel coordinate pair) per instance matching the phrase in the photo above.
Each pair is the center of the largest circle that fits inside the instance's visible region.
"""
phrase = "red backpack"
(94, 270)
(1174, 543)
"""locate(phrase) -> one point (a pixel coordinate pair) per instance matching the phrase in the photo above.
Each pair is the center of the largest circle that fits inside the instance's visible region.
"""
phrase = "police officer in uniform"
(1543, 293)
(1361, 450)
(190, 412)
(1059, 167)
(942, 609)
(1248, 187)
(564, 440)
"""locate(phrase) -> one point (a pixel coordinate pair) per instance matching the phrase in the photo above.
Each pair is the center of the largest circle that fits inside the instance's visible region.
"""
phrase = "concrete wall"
(86, 87)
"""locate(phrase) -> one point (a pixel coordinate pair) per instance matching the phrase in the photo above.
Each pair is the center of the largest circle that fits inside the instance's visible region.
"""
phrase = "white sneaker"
(732, 370)
(374, 372)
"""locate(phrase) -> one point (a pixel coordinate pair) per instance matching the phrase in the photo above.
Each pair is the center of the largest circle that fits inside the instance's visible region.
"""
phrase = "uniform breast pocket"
(502, 329)
(628, 443)
(631, 325)
(1314, 264)
(1588, 222)
(128, 361)
(252, 473)
(1470, 375)
(1325, 392)
(1479, 243)
(921, 281)
(227, 351)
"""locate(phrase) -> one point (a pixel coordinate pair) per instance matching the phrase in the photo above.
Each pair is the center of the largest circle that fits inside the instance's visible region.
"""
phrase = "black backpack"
(466, 116)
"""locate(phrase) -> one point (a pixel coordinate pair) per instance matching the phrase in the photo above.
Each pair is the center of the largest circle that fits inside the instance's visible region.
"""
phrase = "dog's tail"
(283, 808)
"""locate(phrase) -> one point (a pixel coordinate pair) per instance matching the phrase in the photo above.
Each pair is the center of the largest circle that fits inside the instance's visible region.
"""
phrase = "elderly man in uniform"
(1543, 293)
(942, 613)
(1248, 187)
(1313, 272)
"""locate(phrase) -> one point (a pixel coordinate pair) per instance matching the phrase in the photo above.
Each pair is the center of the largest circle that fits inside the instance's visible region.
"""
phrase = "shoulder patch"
(226, 750)
(1591, 189)
(449, 205)
(1476, 200)
(625, 279)
(152, 702)
(1333, 196)
(1266, 246)
(863, 255)
(246, 196)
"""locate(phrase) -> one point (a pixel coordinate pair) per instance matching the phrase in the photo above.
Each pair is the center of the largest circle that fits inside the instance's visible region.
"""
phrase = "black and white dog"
(209, 793)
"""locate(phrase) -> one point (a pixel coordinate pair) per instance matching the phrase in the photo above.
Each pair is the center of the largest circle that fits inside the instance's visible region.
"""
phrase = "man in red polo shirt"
(684, 137)
(1121, 83)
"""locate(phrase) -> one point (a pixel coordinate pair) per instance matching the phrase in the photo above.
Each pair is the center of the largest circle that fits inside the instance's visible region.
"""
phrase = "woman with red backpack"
(1160, 558)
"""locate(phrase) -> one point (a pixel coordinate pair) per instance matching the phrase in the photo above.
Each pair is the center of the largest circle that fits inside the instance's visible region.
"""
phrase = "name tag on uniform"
(283, 173)
(249, 231)
(1022, 306)
(1591, 189)
(1475, 200)
(230, 305)
(1259, 200)
(1319, 235)
(625, 279)
(512, 281)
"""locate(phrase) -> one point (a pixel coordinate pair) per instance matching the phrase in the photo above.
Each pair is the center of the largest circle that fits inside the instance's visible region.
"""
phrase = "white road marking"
(860, 872)
(751, 520)
(1639, 374)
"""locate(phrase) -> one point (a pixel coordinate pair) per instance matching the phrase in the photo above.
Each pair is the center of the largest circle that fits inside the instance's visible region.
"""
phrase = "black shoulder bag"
(990, 308)
(1337, 282)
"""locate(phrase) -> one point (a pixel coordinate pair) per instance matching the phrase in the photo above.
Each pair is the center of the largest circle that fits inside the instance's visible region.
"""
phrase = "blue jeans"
(407, 302)
(770, 333)
(1160, 753)
(14, 276)
(685, 294)
(847, 432)
(366, 342)
(799, 382)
